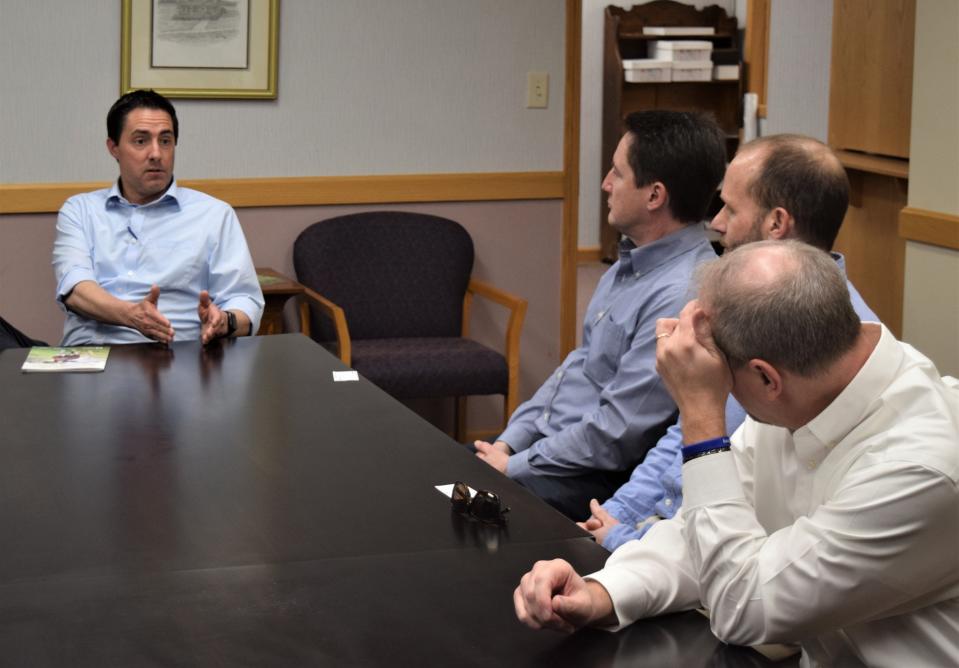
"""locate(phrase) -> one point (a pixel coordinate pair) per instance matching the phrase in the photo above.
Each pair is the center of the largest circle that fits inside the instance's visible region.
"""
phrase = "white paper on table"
(344, 376)
(448, 490)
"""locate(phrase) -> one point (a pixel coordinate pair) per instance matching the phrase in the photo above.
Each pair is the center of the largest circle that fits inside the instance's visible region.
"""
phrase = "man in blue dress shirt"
(599, 413)
(777, 187)
(147, 260)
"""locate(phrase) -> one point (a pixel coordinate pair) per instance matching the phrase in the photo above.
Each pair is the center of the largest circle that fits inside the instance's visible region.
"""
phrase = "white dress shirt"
(842, 536)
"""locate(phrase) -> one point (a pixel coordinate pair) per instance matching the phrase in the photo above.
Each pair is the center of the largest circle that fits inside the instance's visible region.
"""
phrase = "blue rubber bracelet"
(705, 447)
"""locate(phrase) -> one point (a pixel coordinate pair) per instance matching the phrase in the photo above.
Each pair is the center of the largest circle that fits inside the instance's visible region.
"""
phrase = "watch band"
(230, 323)
(703, 448)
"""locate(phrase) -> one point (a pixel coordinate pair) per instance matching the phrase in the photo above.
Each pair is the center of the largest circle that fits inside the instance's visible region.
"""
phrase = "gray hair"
(784, 302)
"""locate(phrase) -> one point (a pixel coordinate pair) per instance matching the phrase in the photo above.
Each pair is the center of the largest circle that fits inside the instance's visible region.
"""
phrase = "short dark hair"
(799, 318)
(138, 99)
(803, 176)
(685, 151)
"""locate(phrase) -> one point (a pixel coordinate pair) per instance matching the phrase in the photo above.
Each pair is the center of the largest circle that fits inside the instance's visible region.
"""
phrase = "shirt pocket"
(173, 265)
(607, 346)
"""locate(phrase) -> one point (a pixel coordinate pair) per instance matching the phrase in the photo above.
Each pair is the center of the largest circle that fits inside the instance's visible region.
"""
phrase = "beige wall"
(931, 297)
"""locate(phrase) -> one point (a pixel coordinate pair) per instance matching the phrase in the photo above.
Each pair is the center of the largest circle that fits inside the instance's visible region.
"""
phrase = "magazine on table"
(86, 359)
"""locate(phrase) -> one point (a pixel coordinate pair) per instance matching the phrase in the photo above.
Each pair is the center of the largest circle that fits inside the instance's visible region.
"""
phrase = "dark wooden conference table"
(233, 506)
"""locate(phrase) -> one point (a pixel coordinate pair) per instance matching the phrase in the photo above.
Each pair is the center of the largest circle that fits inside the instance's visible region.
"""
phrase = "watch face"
(230, 323)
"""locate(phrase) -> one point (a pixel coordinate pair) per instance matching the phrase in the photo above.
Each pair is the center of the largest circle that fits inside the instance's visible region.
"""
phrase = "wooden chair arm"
(517, 307)
(338, 316)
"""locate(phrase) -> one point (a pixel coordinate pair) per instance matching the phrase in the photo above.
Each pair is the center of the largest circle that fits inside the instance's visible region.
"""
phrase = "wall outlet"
(537, 90)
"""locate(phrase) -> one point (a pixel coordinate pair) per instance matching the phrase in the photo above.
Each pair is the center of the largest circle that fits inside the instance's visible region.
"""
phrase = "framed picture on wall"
(200, 48)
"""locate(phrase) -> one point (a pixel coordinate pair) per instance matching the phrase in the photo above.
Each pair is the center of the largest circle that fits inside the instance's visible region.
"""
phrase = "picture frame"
(200, 48)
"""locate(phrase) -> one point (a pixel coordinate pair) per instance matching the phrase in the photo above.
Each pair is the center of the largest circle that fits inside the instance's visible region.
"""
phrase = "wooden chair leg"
(460, 418)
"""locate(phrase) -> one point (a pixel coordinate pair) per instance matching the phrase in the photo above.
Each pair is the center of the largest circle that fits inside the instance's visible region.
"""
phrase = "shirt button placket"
(133, 246)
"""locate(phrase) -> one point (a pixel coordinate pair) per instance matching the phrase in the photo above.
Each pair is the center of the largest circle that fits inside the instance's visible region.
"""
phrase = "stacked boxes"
(690, 59)
(680, 60)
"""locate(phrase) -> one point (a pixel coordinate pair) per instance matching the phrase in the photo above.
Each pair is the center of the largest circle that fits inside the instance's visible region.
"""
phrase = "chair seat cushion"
(419, 368)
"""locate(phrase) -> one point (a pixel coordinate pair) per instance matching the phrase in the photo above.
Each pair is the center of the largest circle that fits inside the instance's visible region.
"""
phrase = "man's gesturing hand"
(146, 318)
(213, 322)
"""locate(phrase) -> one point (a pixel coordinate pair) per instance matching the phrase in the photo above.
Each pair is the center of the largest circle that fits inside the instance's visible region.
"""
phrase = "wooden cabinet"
(870, 87)
(625, 39)
(870, 110)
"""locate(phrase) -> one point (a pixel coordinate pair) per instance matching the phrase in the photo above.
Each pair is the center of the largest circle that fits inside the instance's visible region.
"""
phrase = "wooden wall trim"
(570, 232)
(756, 51)
(589, 254)
(929, 227)
(321, 190)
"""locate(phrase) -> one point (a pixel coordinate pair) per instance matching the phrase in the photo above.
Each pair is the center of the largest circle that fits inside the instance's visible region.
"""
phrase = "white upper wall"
(934, 142)
(800, 52)
(365, 87)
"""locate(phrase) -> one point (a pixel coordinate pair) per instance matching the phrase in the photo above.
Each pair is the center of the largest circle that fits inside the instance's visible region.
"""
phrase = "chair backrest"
(11, 337)
(395, 274)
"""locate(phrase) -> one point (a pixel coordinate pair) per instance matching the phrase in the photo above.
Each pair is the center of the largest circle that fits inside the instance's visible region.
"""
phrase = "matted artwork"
(200, 48)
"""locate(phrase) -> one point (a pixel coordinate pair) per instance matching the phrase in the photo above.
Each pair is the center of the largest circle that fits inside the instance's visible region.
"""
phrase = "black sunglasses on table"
(484, 506)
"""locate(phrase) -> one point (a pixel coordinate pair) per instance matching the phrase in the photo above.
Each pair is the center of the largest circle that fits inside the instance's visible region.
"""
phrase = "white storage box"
(680, 50)
(684, 70)
(677, 31)
(725, 72)
(646, 70)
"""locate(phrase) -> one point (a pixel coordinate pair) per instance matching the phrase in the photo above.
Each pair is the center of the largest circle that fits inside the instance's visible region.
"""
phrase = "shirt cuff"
(517, 468)
(618, 535)
(70, 280)
(614, 587)
(711, 479)
(253, 310)
(517, 437)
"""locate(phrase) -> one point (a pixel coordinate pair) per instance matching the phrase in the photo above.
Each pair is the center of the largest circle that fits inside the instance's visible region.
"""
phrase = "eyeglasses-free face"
(484, 506)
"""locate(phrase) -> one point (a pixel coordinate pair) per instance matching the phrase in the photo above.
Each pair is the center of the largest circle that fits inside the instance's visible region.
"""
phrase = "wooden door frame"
(569, 244)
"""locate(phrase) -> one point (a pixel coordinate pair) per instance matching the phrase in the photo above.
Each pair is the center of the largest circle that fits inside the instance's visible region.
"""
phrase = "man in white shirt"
(832, 518)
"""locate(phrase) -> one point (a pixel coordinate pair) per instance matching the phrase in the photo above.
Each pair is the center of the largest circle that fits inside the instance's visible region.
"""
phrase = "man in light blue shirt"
(600, 412)
(777, 187)
(147, 260)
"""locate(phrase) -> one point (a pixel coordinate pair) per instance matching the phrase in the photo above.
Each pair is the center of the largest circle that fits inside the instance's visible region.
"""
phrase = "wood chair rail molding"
(320, 190)
(929, 227)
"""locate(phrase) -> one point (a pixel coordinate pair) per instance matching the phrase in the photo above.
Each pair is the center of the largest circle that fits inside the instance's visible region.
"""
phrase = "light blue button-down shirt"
(655, 488)
(184, 242)
(605, 406)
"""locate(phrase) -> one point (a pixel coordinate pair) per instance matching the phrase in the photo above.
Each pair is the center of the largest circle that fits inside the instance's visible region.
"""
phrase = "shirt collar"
(115, 197)
(643, 259)
(840, 260)
(815, 439)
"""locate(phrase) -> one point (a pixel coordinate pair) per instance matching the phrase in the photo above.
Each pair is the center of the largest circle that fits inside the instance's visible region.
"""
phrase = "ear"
(766, 377)
(779, 224)
(113, 149)
(658, 196)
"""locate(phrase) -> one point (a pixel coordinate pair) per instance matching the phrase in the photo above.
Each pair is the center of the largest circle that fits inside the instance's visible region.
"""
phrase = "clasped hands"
(145, 317)
(495, 454)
